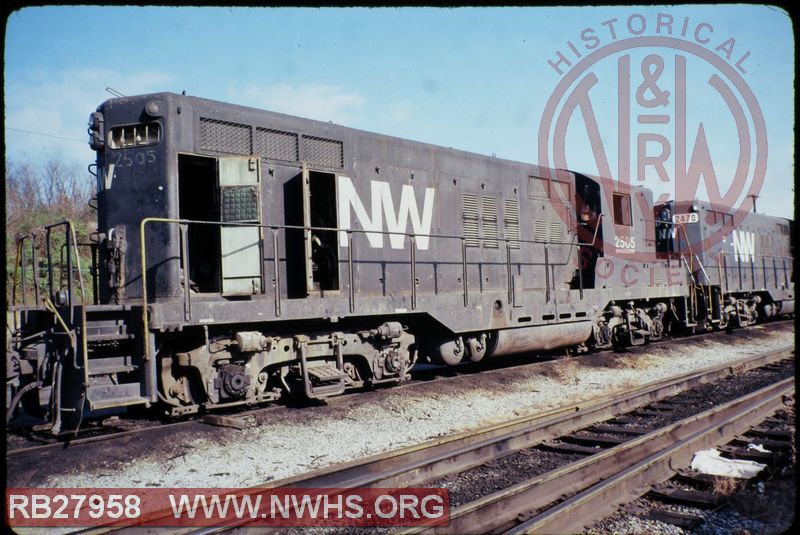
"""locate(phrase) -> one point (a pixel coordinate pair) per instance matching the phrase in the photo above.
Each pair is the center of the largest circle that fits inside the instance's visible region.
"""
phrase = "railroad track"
(690, 498)
(45, 443)
(612, 474)
(599, 483)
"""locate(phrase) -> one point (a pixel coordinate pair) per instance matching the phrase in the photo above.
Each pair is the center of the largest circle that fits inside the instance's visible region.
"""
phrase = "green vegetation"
(43, 194)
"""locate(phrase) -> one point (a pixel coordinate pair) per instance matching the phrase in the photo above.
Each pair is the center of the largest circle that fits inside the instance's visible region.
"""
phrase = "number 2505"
(625, 244)
(123, 159)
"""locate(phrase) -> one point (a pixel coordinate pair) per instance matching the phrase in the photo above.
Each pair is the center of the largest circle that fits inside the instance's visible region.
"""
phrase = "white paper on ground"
(757, 447)
(710, 462)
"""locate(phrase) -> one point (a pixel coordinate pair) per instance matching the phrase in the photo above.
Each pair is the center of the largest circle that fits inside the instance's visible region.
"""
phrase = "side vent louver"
(562, 191)
(511, 222)
(239, 203)
(556, 231)
(489, 222)
(233, 138)
(469, 219)
(539, 230)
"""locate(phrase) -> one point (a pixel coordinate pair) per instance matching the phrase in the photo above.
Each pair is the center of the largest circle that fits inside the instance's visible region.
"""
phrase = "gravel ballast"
(286, 442)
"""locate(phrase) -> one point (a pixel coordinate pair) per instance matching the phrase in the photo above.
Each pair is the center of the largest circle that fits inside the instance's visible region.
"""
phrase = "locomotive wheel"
(603, 336)
(621, 337)
(477, 347)
(352, 371)
(723, 321)
(451, 352)
(657, 329)
(31, 405)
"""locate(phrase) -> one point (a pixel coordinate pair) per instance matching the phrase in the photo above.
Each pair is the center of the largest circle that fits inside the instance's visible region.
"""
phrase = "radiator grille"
(469, 219)
(489, 222)
(538, 188)
(511, 222)
(222, 136)
(239, 203)
(325, 152)
(276, 145)
(563, 191)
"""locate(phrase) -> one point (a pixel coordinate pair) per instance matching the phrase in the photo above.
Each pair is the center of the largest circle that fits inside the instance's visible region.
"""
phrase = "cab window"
(622, 209)
(134, 135)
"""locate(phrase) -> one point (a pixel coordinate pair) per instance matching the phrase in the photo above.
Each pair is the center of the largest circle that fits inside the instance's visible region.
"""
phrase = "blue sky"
(474, 79)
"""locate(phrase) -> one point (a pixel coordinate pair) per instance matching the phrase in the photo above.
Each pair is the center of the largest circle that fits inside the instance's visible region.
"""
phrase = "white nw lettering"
(744, 245)
(382, 206)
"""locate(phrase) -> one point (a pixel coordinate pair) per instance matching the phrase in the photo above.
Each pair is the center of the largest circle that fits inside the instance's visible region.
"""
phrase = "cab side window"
(622, 209)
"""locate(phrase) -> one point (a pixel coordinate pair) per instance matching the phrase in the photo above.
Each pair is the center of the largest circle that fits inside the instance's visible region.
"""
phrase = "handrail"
(596, 229)
(757, 255)
(346, 230)
(19, 265)
(71, 246)
(764, 267)
(14, 278)
(84, 341)
(51, 307)
(69, 239)
(414, 237)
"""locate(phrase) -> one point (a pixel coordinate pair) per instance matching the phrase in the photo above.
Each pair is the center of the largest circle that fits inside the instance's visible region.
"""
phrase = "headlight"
(96, 131)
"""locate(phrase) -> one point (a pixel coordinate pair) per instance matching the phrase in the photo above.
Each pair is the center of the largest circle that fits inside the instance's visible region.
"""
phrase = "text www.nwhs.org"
(209, 507)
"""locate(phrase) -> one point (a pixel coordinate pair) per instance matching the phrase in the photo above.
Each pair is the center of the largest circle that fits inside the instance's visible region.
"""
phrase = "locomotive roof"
(283, 117)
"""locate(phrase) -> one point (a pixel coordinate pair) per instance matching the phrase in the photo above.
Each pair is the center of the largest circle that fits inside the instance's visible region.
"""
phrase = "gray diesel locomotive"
(243, 254)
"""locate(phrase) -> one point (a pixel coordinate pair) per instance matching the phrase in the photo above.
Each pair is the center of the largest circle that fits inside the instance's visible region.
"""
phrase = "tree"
(41, 194)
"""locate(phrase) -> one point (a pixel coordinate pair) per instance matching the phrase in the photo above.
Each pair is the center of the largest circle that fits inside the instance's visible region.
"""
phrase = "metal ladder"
(335, 377)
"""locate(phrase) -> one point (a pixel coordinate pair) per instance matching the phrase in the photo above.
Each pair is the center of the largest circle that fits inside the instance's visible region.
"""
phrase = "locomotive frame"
(243, 254)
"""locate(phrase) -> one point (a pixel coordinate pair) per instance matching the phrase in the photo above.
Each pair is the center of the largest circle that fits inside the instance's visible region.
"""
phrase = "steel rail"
(59, 444)
(653, 459)
(426, 462)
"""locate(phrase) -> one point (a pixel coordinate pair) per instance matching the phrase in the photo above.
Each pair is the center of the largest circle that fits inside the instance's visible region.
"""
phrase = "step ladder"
(112, 353)
(330, 380)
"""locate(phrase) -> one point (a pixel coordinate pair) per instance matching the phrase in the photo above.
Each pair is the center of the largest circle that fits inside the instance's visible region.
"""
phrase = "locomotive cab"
(589, 227)
(665, 231)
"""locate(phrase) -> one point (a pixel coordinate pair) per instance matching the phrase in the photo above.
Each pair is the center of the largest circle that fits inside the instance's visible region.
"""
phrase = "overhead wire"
(43, 134)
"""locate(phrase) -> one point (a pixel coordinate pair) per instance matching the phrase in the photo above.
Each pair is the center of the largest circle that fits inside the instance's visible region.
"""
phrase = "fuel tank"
(512, 341)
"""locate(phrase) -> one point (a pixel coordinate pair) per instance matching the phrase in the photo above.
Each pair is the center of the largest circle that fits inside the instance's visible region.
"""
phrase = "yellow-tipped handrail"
(84, 342)
(52, 308)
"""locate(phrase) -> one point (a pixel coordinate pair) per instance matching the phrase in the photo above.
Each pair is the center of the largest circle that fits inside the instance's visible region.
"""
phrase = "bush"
(41, 194)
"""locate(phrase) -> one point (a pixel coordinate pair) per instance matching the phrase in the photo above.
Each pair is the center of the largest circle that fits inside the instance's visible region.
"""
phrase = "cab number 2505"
(625, 243)
(124, 159)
